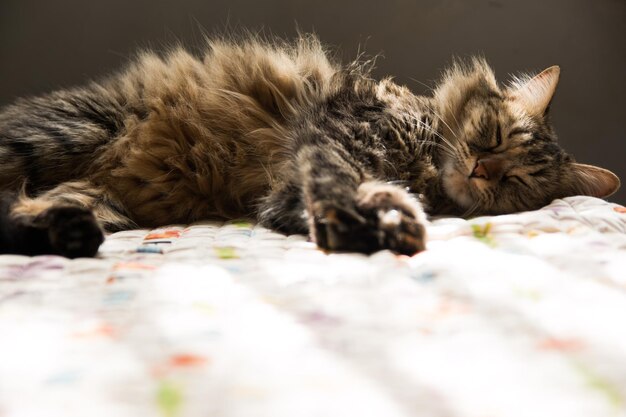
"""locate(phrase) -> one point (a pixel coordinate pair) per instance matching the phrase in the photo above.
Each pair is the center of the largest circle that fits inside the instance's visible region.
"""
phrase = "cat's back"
(52, 138)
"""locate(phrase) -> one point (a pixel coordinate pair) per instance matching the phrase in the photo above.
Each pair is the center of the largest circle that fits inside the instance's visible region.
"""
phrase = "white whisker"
(434, 132)
(446, 146)
(458, 126)
(423, 84)
(471, 210)
(432, 110)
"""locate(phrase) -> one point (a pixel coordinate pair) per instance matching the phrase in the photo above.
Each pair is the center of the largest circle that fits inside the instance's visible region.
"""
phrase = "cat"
(279, 132)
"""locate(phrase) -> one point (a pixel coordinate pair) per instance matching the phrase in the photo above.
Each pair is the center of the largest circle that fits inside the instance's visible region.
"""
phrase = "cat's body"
(274, 132)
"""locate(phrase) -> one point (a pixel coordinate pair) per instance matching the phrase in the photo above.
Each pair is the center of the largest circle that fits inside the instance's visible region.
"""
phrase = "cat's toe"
(74, 232)
(400, 232)
(340, 229)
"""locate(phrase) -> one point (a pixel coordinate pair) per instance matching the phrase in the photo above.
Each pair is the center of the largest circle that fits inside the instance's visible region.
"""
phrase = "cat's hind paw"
(73, 231)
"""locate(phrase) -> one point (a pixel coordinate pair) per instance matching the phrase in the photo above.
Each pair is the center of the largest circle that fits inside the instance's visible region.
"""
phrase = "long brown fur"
(214, 128)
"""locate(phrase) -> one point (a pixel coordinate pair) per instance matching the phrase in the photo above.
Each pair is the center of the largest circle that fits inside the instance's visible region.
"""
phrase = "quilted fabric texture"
(516, 315)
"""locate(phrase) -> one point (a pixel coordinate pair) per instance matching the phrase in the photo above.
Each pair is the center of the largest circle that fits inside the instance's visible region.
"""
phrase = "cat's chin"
(458, 186)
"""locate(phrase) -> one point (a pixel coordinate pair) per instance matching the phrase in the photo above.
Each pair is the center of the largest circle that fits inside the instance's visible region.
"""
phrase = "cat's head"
(502, 154)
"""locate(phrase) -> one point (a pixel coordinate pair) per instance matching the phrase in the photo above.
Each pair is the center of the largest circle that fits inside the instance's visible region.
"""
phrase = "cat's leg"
(66, 220)
(350, 211)
(283, 210)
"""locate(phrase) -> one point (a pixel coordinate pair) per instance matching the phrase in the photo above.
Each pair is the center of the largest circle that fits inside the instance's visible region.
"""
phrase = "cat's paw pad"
(73, 232)
(383, 217)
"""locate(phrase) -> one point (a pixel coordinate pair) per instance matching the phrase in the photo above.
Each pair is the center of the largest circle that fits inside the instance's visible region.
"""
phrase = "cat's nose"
(488, 168)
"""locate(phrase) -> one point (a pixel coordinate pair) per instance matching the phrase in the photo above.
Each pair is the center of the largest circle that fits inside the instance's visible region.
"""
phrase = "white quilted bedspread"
(516, 315)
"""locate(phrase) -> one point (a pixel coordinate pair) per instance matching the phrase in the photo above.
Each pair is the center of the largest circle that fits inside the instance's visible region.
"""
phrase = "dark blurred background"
(48, 45)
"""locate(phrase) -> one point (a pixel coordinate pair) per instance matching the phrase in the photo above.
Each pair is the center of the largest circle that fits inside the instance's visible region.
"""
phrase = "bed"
(514, 315)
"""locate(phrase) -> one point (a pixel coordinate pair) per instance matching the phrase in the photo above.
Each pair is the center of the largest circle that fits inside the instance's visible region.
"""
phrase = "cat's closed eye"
(498, 136)
(518, 131)
(516, 179)
(485, 144)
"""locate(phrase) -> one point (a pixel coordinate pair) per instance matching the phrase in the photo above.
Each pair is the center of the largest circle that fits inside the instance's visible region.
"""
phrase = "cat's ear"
(592, 180)
(535, 94)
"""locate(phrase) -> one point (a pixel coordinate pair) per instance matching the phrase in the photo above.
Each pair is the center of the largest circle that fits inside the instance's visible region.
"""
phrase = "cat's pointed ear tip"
(617, 183)
(595, 181)
(554, 71)
(612, 183)
(611, 187)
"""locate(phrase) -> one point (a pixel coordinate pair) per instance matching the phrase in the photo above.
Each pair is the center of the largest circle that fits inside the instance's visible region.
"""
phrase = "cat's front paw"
(73, 231)
(382, 217)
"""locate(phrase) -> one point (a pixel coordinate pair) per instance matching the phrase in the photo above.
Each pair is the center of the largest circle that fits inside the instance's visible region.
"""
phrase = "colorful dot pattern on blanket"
(517, 315)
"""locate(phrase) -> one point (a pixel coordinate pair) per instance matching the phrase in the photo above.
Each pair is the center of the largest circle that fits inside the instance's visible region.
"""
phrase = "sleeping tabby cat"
(280, 133)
